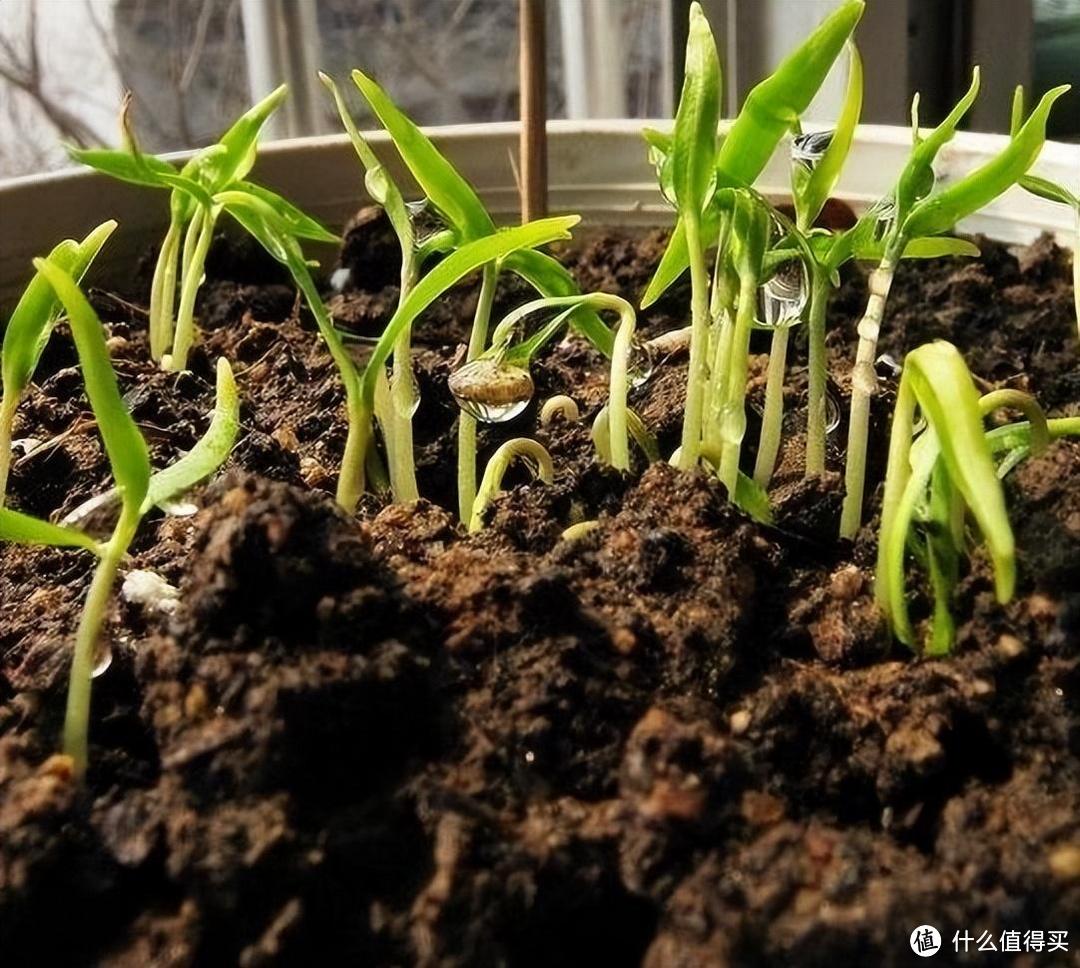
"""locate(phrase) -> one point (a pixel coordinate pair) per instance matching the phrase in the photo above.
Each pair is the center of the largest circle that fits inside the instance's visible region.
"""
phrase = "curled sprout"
(559, 405)
(491, 483)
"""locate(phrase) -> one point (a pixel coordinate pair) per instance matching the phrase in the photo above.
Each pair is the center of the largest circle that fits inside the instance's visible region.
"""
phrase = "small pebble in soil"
(151, 591)
(740, 722)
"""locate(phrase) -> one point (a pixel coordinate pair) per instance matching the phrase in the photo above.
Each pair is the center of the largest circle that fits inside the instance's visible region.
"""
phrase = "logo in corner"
(925, 941)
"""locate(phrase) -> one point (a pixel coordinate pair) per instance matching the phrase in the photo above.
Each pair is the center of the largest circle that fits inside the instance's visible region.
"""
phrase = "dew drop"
(808, 149)
(887, 369)
(832, 413)
(733, 424)
(491, 390)
(405, 408)
(102, 658)
(641, 363)
(784, 296)
(417, 207)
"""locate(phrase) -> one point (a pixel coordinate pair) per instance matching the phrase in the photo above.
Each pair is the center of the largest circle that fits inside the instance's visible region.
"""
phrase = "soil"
(682, 740)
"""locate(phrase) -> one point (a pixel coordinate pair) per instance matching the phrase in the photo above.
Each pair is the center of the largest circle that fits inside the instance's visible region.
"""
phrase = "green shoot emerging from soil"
(709, 185)
(139, 490)
(457, 204)
(194, 210)
(520, 447)
(1052, 192)
(28, 331)
(934, 478)
(916, 209)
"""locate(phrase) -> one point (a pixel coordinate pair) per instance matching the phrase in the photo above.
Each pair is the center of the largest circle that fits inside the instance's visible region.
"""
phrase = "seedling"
(457, 203)
(490, 485)
(1052, 192)
(193, 215)
(936, 476)
(139, 490)
(271, 226)
(709, 187)
(29, 329)
(915, 208)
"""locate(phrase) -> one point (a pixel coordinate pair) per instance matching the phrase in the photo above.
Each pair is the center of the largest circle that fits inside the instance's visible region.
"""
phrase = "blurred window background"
(193, 65)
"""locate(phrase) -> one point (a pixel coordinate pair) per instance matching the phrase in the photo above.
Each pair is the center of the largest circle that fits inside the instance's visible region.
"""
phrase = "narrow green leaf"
(24, 529)
(32, 322)
(377, 180)
(302, 225)
(931, 247)
(693, 149)
(449, 192)
(941, 210)
(777, 102)
(145, 170)
(211, 450)
(550, 278)
(240, 143)
(123, 443)
(812, 195)
(1049, 190)
(453, 268)
(917, 178)
(950, 403)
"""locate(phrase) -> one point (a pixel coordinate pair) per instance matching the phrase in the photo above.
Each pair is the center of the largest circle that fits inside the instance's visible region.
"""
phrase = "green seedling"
(397, 419)
(457, 203)
(497, 385)
(916, 208)
(269, 224)
(708, 183)
(770, 110)
(139, 490)
(28, 331)
(1052, 192)
(490, 485)
(937, 477)
(193, 215)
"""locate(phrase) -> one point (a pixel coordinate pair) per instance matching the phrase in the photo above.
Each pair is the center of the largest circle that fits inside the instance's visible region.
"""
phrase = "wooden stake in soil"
(533, 94)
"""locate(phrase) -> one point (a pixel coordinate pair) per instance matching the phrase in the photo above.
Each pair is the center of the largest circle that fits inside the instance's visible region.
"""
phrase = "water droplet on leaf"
(784, 296)
(887, 369)
(491, 390)
(404, 406)
(102, 658)
(640, 365)
(808, 149)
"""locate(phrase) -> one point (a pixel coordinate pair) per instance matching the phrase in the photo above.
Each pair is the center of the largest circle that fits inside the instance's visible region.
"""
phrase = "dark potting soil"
(683, 740)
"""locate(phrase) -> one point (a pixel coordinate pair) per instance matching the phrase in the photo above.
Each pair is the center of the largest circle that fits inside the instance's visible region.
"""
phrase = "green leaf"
(917, 178)
(752, 498)
(123, 443)
(932, 247)
(549, 277)
(145, 170)
(301, 225)
(211, 450)
(950, 403)
(814, 190)
(377, 179)
(32, 322)
(777, 102)
(941, 210)
(447, 190)
(1049, 190)
(693, 149)
(239, 144)
(453, 268)
(24, 529)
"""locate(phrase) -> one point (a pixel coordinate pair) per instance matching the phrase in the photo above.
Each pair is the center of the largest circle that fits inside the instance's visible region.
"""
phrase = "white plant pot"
(597, 168)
